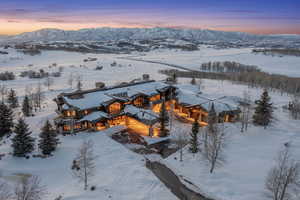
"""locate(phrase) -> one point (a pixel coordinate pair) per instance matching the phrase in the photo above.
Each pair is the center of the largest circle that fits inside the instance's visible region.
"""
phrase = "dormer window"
(115, 108)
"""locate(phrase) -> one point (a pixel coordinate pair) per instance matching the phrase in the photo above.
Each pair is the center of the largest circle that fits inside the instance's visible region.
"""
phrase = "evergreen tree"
(6, 120)
(164, 120)
(48, 139)
(194, 137)
(263, 114)
(26, 107)
(22, 143)
(12, 99)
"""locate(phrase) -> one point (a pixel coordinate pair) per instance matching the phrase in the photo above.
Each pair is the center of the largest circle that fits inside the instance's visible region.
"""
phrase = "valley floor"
(121, 173)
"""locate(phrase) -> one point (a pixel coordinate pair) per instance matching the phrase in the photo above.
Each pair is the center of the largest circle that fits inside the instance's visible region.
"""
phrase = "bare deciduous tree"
(3, 91)
(30, 93)
(214, 146)
(38, 96)
(245, 111)
(200, 84)
(283, 180)
(180, 139)
(83, 166)
(71, 80)
(79, 82)
(294, 106)
(48, 82)
(5, 192)
(214, 141)
(30, 188)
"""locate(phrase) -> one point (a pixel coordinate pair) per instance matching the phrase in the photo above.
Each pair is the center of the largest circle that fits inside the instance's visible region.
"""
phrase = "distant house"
(136, 106)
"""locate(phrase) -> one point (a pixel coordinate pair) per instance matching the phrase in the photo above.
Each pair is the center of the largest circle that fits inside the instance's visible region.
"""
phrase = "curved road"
(171, 180)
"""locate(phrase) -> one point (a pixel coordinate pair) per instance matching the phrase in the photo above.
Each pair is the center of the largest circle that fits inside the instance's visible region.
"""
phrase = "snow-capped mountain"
(111, 34)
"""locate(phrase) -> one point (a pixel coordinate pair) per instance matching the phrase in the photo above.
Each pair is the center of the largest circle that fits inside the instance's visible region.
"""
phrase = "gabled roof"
(144, 115)
(96, 98)
(221, 104)
(94, 116)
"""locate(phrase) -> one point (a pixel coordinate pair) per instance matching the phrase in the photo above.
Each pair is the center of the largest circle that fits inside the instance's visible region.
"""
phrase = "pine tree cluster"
(23, 143)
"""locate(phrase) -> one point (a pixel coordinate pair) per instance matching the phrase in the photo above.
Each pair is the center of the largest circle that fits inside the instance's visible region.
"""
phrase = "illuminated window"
(156, 132)
(86, 112)
(156, 108)
(114, 108)
(120, 120)
(155, 98)
(84, 125)
(66, 128)
(70, 113)
(77, 126)
(138, 127)
(100, 126)
(139, 102)
(169, 104)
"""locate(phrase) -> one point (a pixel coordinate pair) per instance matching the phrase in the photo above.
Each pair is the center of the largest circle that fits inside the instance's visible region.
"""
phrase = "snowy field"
(287, 65)
(121, 174)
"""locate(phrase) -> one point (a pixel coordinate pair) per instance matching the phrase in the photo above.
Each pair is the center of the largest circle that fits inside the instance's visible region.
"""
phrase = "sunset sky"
(255, 16)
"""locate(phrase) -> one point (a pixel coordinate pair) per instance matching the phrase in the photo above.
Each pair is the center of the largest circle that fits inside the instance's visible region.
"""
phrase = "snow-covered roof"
(190, 98)
(218, 106)
(148, 88)
(102, 97)
(65, 107)
(144, 115)
(155, 140)
(89, 100)
(94, 116)
(221, 104)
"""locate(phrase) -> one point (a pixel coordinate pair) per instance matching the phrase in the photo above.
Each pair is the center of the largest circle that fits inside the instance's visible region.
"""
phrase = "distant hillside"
(131, 34)
(105, 34)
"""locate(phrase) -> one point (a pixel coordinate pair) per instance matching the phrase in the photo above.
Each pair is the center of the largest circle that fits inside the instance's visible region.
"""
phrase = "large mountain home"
(136, 106)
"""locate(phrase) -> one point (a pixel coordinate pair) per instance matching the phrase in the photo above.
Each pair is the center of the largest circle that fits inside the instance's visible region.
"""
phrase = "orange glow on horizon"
(17, 27)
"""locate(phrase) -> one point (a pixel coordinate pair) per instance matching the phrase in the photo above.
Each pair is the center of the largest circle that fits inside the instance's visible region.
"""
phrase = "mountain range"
(110, 34)
(158, 36)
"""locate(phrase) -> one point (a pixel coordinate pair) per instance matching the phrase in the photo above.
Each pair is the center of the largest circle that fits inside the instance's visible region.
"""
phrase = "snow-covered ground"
(249, 155)
(287, 65)
(121, 174)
